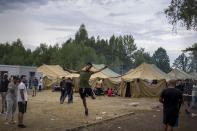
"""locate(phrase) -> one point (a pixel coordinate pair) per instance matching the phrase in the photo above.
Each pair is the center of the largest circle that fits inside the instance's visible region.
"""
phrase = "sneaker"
(21, 126)
(69, 102)
(93, 97)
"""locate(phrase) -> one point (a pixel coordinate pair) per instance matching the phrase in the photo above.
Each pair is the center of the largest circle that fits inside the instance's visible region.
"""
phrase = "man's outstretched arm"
(71, 71)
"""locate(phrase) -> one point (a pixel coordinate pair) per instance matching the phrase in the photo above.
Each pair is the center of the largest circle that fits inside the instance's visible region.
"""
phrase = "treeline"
(187, 62)
(119, 52)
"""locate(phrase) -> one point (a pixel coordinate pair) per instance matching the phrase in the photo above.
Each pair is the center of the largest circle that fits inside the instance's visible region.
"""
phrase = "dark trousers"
(3, 98)
(70, 96)
(64, 94)
(62, 97)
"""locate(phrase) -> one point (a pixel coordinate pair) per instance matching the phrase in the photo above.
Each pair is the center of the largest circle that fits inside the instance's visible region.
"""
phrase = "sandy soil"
(46, 114)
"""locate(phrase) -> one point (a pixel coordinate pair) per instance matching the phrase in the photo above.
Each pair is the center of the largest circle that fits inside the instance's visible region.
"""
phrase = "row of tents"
(147, 80)
(52, 75)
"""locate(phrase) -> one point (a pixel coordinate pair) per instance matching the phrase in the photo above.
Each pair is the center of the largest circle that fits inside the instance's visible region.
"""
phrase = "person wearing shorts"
(22, 107)
(35, 86)
(171, 99)
(84, 92)
(84, 87)
(22, 101)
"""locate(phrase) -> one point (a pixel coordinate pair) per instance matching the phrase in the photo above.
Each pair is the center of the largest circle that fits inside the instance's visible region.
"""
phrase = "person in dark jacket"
(63, 90)
(69, 90)
(3, 91)
(172, 99)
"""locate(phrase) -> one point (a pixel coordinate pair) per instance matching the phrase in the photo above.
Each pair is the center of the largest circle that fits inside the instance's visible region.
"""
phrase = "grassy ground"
(46, 114)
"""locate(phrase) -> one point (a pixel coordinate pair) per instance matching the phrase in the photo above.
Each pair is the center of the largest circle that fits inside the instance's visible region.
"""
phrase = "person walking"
(35, 86)
(22, 98)
(85, 88)
(69, 90)
(40, 85)
(171, 98)
(3, 91)
(63, 90)
(11, 100)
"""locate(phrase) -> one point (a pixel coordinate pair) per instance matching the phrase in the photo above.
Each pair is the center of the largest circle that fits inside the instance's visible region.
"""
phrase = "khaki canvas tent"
(177, 74)
(145, 81)
(129, 71)
(52, 74)
(111, 78)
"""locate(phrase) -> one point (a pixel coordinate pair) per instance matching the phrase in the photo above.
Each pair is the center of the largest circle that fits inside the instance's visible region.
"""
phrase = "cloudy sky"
(54, 21)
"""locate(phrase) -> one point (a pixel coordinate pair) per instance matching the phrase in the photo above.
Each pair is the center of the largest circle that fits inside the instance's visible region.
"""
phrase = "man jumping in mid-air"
(84, 87)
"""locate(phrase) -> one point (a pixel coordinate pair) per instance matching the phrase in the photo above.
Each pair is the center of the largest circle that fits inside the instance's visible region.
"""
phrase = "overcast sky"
(54, 21)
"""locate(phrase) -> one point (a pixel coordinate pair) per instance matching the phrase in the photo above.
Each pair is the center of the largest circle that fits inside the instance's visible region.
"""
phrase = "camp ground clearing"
(45, 113)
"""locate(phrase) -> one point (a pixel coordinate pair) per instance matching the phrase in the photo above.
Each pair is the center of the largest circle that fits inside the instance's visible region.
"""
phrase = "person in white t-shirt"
(22, 101)
(40, 85)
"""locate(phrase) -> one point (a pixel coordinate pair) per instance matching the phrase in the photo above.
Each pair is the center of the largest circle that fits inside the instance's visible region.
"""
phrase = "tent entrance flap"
(141, 88)
(128, 90)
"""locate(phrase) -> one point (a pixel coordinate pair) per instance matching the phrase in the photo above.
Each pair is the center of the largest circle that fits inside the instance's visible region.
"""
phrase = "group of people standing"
(176, 94)
(13, 92)
(66, 88)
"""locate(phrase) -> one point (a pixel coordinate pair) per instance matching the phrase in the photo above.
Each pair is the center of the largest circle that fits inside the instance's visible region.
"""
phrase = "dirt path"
(45, 113)
(144, 121)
